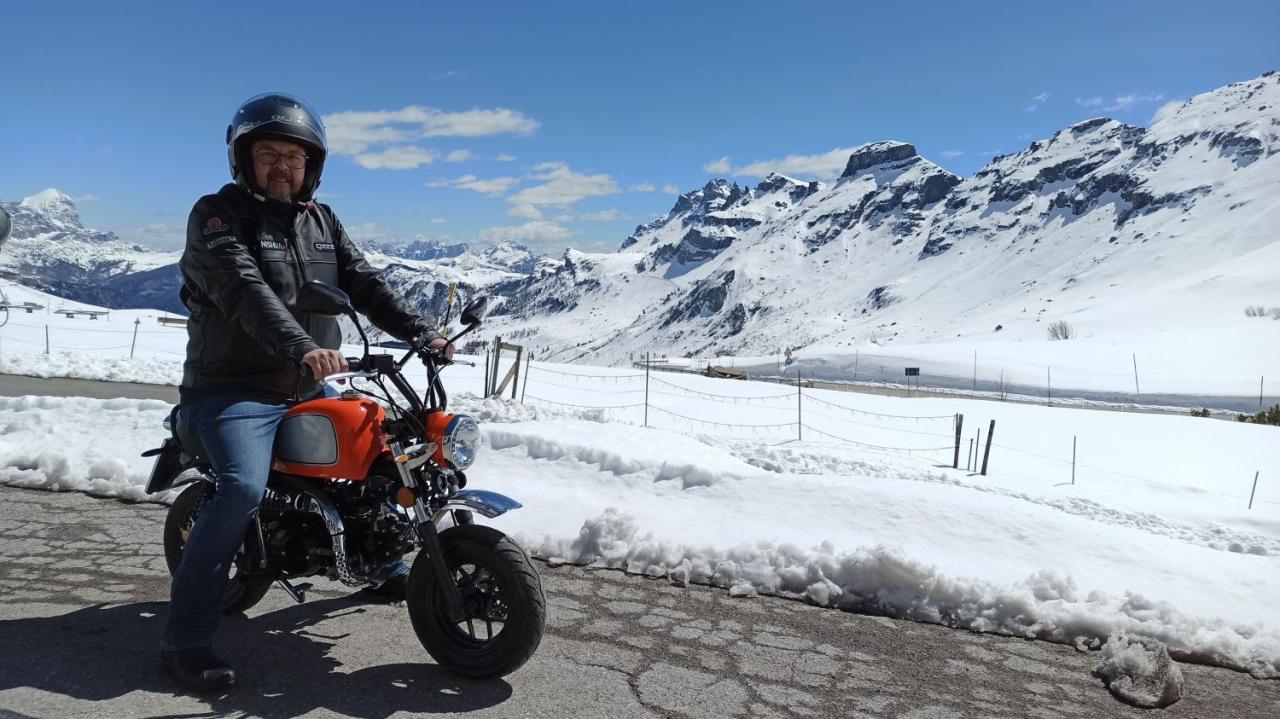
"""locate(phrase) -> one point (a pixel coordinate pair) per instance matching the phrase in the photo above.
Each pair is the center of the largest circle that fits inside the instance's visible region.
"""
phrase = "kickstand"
(298, 593)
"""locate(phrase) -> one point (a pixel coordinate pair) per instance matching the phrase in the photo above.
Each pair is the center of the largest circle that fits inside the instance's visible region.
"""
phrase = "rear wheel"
(503, 605)
(242, 590)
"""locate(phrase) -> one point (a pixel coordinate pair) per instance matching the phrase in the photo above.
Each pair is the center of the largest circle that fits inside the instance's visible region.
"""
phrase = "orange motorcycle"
(361, 480)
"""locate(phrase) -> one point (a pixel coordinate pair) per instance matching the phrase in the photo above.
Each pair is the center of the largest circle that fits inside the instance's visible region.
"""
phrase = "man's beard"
(280, 191)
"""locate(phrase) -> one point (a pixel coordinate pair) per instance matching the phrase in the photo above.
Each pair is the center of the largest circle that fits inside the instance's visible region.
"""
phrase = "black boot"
(198, 669)
(393, 590)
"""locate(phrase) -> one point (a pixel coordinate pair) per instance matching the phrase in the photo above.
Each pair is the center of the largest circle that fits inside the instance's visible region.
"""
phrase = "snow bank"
(79, 365)
(882, 580)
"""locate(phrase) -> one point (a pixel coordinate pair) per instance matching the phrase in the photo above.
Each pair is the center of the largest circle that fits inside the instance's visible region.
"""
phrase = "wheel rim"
(485, 608)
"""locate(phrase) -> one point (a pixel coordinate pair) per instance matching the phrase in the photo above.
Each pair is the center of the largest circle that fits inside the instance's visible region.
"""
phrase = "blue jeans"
(238, 431)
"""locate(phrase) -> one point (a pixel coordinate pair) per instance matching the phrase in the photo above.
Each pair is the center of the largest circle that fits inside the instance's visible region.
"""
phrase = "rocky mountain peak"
(877, 153)
(51, 214)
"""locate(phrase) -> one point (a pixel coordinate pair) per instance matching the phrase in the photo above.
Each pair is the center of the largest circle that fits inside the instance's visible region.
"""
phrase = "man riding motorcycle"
(250, 247)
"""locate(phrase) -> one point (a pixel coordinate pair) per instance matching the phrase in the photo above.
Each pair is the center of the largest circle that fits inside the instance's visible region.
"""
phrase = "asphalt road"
(84, 587)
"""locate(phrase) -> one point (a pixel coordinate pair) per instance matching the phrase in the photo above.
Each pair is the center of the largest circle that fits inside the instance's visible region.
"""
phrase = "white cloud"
(438, 220)
(718, 167)
(458, 156)
(529, 233)
(610, 215)
(85, 198)
(1166, 110)
(370, 137)
(826, 166)
(494, 186)
(408, 157)
(1038, 101)
(952, 154)
(643, 187)
(524, 212)
(504, 157)
(669, 189)
(351, 133)
(563, 186)
(1119, 103)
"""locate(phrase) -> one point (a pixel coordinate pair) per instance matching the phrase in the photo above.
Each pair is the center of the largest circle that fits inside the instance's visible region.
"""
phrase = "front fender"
(486, 504)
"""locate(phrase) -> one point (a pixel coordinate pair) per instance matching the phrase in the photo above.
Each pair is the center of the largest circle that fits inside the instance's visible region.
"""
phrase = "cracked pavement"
(84, 586)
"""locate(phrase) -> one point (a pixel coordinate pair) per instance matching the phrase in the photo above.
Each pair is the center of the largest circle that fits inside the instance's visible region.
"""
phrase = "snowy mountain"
(1116, 229)
(1160, 235)
(51, 250)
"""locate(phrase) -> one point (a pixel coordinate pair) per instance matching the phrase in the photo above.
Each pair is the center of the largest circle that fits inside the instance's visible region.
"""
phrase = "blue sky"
(568, 123)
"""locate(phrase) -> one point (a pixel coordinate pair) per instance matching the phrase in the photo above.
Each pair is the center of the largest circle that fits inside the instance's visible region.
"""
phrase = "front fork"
(430, 538)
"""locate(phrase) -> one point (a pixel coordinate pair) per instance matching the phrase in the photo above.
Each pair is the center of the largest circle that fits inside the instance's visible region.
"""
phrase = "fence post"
(977, 447)
(1255, 488)
(987, 455)
(134, 343)
(955, 464)
(799, 411)
(646, 389)
(485, 389)
(1137, 389)
(855, 363)
(46, 338)
(528, 361)
(968, 458)
(1073, 459)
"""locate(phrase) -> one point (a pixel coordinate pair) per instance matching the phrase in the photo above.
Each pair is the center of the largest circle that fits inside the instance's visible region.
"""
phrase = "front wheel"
(502, 602)
(242, 591)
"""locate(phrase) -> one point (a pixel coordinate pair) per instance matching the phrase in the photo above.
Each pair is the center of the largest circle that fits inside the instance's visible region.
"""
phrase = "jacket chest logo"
(267, 242)
(323, 246)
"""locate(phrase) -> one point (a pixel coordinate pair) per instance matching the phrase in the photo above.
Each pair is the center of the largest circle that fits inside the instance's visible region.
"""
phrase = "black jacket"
(243, 264)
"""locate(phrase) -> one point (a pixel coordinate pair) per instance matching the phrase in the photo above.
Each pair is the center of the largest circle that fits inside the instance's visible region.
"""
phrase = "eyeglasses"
(294, 161)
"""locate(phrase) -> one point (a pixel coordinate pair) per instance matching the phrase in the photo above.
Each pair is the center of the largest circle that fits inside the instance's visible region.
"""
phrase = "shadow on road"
(282, 659)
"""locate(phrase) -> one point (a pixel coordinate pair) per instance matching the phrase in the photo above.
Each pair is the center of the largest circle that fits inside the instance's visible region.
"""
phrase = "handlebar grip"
(354, 364)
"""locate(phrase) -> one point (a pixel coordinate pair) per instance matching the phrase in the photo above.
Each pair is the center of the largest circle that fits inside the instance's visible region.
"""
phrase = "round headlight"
(461, 441)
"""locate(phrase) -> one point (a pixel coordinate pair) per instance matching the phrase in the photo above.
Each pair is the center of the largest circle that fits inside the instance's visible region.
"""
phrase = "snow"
(1153, 541)
(46, 199)
(1139, 675)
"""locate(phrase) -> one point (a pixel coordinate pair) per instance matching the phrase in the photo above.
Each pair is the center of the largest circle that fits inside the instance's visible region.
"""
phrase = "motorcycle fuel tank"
(330, 438)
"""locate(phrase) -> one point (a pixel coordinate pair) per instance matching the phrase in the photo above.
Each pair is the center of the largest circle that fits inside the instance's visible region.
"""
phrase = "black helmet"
(275, 115)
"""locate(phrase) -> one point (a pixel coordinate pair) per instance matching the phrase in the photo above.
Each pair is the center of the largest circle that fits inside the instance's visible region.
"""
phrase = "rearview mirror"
(6, 225)
(317, 298)
(475, 310)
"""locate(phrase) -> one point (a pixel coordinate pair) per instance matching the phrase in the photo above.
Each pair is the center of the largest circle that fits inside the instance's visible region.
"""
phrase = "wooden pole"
(955, 464)
(46, 339)
(1073, 459)
(1255, 488)
(516, 372)
(487, 365)
(646, 389)
(987, 454)
(799, 411)
(968, 458)
(1137, 389)
(977, 446)
(855, 364)
(134, 343)
(528, 361)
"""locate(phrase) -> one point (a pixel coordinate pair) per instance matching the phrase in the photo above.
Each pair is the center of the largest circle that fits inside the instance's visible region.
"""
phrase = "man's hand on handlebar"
(323, 363)
(442, 345)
